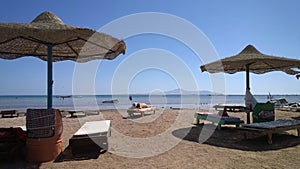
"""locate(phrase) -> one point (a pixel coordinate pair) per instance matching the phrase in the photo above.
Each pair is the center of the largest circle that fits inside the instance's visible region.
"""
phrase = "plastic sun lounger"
(132, 110)
(91, 136)
(271, 127)
(219, 120)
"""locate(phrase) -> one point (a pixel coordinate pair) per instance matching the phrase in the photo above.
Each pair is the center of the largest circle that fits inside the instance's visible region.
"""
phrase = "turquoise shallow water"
(162, 101)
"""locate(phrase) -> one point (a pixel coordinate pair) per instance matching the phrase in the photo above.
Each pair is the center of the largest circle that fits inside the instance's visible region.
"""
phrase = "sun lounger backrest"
(263, 112)
(40, 123)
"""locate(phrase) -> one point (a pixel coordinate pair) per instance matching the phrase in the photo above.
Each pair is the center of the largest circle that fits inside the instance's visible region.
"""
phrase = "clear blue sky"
(273, 27)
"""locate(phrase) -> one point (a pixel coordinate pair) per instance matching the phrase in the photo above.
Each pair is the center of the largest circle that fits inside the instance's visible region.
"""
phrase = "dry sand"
(168, 139)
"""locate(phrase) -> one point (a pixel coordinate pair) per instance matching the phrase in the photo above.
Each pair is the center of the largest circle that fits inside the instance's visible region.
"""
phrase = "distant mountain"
(187, 92)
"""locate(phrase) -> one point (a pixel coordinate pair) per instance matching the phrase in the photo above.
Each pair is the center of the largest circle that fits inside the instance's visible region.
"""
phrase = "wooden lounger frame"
(9, 113)
(270, 128)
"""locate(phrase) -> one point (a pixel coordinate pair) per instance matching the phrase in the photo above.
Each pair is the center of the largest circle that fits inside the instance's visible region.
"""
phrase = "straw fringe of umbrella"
(69, 42)
(258, 63)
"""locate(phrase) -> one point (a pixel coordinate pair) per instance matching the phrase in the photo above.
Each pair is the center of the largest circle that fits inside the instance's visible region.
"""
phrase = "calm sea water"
(162, 101)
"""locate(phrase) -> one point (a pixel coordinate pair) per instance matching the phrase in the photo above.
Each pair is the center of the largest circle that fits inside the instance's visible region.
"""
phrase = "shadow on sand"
(136, 116)
(231, 137)
(296, 118)
(67, 155)
(16, 159)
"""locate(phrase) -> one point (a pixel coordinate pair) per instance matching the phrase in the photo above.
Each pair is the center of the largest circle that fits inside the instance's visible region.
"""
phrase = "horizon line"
(57, 95)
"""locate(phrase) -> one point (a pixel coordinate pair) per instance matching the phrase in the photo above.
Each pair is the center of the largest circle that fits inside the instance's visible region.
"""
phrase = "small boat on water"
(111, 101)
(63, 97)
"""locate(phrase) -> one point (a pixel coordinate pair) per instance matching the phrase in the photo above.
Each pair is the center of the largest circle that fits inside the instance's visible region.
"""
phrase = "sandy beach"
(169, 139)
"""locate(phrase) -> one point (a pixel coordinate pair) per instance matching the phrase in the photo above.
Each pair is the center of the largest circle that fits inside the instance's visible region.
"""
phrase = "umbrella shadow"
(296, 118)
(67, 155)
(230, 137)
(19, 164)
(136, 116)
(19, 161)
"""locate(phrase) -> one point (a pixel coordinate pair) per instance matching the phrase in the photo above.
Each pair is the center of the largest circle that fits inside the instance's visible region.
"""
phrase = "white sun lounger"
(132, 110)
(91, 136)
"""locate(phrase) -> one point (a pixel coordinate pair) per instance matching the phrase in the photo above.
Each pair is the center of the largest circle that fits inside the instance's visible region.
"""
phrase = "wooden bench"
(9, 113)
(230, 108)
(92, 136)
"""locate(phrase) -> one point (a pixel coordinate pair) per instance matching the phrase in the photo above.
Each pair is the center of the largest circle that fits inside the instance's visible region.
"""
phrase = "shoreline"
(95, 102)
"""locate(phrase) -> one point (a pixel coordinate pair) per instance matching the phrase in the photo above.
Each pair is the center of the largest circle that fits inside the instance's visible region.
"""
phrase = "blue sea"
(92, 102)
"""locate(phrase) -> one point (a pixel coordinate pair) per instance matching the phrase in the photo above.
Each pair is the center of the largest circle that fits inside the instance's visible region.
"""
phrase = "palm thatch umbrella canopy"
(251, 60)
(49, 39)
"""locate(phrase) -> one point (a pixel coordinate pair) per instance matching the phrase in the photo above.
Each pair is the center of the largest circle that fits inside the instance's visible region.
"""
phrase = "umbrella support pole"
(50, 81)
(248, 88)
(247, 77)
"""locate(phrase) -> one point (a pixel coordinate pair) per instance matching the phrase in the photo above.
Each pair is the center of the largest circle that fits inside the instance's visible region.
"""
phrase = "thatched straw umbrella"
(49, 39)
(251, 60)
